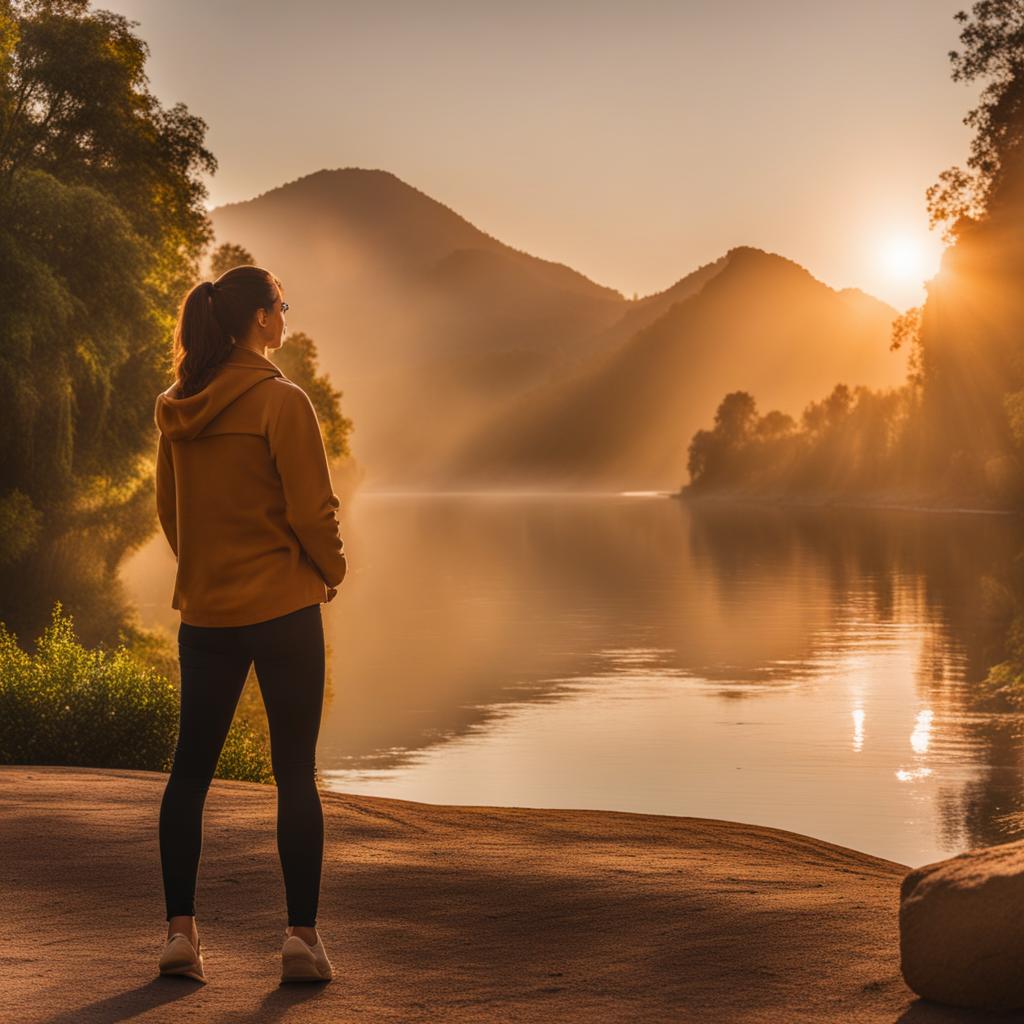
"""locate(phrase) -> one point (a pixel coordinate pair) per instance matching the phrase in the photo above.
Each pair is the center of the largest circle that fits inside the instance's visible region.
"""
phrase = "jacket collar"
(241, 356)
(183, 419)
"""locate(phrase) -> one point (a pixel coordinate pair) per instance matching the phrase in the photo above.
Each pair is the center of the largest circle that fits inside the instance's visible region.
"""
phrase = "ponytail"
(212, 317)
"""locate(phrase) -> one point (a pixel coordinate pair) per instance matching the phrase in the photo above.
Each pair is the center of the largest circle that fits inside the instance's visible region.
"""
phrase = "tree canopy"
(102, 225)
(992, 51)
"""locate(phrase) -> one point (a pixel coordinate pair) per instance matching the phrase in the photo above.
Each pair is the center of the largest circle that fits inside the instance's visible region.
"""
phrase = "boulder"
(962, 929)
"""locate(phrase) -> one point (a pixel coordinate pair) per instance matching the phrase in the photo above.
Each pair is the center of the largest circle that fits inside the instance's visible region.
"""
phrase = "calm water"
(802, 669)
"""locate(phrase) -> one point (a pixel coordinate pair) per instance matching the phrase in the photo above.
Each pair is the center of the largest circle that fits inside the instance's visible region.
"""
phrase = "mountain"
(420, 317)
(465, 361)
(762, 324)
(387, 275)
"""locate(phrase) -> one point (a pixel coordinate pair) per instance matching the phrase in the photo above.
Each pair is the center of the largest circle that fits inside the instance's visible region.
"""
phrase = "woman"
(245, 499)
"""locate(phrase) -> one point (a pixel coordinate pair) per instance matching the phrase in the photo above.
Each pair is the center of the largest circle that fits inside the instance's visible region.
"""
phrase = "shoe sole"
(188, 970)
(301, 968)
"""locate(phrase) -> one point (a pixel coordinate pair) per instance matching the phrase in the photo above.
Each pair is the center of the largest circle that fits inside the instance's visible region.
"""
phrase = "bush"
(245, 755)
(68, 705)
(1002, 689)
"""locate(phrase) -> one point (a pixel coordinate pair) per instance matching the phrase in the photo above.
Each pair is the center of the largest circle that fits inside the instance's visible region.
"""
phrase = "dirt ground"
(442, 913)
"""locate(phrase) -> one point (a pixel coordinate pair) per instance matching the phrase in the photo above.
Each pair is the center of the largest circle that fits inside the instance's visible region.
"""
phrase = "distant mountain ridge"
(333, 234)
(762, 323)
(464, 361)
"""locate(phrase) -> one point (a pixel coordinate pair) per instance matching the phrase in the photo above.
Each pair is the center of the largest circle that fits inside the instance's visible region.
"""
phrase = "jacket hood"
(182, 419)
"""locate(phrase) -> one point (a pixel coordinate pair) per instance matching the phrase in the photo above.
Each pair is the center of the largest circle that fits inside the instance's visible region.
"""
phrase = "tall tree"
(102, 224)
(993, 52)
(227, 256)
(299, 362)
(972, 323)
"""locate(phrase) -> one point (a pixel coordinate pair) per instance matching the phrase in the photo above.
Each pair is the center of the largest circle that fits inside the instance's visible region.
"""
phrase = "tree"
(102, 223)
(227, 256)
(972, 357)
(774, 425)
(735, 417)
(74, 102)
(906, 330)
(298, 361)
(837, 405)
(993, 49)
(714, 454)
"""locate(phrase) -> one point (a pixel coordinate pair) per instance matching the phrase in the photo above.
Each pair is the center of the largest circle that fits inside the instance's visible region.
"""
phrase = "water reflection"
(922, 727)
(805, 669)
(858, 728)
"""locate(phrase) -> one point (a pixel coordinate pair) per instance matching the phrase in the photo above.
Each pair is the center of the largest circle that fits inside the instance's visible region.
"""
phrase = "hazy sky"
(632, 141)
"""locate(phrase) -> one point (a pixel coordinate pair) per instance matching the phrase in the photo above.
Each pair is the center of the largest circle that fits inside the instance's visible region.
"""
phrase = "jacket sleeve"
(166, 501)
(311, 506)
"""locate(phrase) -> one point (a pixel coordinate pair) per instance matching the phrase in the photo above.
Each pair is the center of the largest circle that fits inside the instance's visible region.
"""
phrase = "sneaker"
(180, 957)
(303, 962)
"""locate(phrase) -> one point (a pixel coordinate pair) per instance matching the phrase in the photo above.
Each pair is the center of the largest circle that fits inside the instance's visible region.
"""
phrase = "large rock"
(962, 928)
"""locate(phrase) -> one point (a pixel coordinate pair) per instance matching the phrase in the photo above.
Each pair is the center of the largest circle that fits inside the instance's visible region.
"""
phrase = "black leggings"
(289, 656)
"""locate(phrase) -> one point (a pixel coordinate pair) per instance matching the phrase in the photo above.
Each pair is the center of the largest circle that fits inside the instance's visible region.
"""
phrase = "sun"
(903, 258)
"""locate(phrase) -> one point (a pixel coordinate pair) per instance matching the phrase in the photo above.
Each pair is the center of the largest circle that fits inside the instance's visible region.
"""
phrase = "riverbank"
(880, 503)
(435, 912)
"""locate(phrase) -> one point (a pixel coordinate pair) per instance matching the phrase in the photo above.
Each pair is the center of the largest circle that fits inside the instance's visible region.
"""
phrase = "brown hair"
(212, 317)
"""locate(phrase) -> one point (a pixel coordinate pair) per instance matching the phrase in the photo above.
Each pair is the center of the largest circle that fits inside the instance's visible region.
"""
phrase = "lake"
(806, 669)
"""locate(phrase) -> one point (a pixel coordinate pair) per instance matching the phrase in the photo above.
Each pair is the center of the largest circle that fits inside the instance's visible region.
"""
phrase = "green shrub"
(245, 755)
(1002, 688)
(20, 524)
(66, 704)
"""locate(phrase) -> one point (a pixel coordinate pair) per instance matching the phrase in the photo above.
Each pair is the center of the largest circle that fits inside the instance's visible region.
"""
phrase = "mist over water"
(803, 669)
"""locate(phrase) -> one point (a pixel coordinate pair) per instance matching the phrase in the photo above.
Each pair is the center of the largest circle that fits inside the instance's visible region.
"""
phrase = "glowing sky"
(633, 142)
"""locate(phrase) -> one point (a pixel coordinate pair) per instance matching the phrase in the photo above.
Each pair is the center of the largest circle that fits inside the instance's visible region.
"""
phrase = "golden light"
(904, 259)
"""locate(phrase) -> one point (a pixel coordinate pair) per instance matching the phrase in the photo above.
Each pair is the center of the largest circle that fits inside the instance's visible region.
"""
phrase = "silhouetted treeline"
(849, 442)
(955, 431)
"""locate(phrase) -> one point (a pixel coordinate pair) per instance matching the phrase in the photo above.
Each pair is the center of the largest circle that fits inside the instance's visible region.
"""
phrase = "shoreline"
(459, 913)
(893, 504)
(827, 503)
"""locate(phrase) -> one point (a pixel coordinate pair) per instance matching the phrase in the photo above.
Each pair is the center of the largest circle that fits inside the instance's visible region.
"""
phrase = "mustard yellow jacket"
(245, 498)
